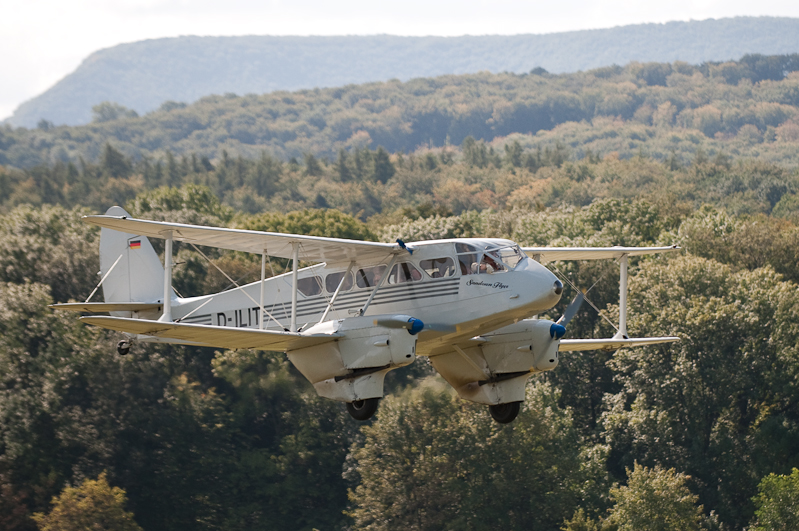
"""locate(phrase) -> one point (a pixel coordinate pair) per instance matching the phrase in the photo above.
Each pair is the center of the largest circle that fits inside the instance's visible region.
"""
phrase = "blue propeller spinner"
(558, 330)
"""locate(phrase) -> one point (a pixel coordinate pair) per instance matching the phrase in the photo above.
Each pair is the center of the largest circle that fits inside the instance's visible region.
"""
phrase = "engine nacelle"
(354, 366)
(526, 345)
(496, 368)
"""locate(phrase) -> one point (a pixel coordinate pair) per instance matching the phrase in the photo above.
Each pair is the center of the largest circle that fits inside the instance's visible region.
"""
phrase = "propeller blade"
(571, 310)
(411, 324)
(438, 327)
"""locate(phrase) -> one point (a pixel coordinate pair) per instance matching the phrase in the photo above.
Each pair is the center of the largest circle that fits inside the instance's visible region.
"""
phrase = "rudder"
(138, 275)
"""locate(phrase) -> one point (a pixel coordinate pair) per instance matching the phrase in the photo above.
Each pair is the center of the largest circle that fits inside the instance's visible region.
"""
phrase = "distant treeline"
(743, 106)
(389, 187)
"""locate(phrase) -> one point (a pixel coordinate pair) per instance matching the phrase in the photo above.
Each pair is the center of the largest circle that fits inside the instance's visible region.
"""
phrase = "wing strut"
(263, 289)
(338, 289)
(622, 333)
(103, 279)
(379, 285)
(295, 251)
(167, 315)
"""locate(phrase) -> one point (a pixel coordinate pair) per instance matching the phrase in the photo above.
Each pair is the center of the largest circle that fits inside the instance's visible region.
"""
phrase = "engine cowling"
(496, 368)
(354, 366)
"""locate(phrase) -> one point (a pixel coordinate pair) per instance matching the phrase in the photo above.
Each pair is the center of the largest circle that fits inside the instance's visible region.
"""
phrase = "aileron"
(553, 254)
(577, 345)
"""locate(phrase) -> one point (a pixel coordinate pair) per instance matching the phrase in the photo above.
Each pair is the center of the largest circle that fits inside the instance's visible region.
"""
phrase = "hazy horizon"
(42, 41)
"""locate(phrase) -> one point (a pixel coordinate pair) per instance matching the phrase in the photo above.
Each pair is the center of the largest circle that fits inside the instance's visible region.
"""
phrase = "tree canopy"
(699, 433)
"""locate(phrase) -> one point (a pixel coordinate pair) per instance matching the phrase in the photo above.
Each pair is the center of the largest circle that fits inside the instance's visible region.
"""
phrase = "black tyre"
(123, 347)
(505, 413)
(363, 409)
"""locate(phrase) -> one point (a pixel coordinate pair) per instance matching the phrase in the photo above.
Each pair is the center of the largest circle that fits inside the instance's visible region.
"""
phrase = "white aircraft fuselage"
(434, 283)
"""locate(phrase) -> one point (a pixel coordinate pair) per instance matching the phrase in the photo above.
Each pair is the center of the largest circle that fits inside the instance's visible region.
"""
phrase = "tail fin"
(137, 274)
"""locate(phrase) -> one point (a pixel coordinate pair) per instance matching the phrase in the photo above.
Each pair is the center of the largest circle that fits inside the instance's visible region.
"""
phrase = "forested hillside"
(701, 434)
(143, 75)
(745, 107)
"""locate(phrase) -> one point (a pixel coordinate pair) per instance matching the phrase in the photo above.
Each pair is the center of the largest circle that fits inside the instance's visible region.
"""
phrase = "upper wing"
(312, 248)
(573, 345)
(552, 254)
(212, 336)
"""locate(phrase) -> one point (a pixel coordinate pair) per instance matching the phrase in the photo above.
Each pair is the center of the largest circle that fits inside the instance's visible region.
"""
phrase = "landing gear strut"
(363, 409)
(123, 347)
(505, 413)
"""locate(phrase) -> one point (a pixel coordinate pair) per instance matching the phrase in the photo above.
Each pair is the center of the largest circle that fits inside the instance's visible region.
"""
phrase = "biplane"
(361, 309)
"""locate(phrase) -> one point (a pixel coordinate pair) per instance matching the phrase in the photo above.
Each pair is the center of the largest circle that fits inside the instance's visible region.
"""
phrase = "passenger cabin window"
(309, 286)
(404, 272)
(369, 277)
(333, 279)
(438, 267)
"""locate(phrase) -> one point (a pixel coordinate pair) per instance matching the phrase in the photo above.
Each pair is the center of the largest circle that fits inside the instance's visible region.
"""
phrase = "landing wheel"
(505, 413)
(123, 347)
(363, 409)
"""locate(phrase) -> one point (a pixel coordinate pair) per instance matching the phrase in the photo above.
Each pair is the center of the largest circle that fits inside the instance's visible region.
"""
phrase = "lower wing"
(212, 336)
(573, 345)
(100, 307)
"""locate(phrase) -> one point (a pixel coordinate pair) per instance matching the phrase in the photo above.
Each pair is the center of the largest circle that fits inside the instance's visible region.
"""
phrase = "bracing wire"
(585, 298)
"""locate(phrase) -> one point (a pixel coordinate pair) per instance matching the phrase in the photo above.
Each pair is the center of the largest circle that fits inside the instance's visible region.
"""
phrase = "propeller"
(558, 329)
(411, 324)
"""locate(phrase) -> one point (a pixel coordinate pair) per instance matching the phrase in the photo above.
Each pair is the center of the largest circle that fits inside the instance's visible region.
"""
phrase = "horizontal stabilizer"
(552, 254)
(100, 307)
(212, 336)
(573, 345)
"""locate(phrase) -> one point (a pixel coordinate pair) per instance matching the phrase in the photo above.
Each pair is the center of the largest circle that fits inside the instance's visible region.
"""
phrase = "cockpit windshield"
(510, 255)
(474, 261)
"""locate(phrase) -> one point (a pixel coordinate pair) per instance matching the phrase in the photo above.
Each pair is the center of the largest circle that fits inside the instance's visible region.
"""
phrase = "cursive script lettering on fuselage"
(497, 285)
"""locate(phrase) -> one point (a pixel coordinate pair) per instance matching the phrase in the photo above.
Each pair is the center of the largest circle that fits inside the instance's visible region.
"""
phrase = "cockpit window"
(492, 260)
(511, 256)
(491, 263)
(439, 267)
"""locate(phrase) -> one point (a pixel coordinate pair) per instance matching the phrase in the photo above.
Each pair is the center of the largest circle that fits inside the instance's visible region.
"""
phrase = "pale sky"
(41, 41)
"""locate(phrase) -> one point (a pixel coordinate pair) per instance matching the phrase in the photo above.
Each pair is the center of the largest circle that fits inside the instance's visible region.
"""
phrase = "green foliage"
(745, 242)
(92, 505)
(181, 204)
(49, 245)
(777, 502)
(656, 500)
(720, 404)
(430, 461)
(317, 222)
(288, 475)
(238, 439)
